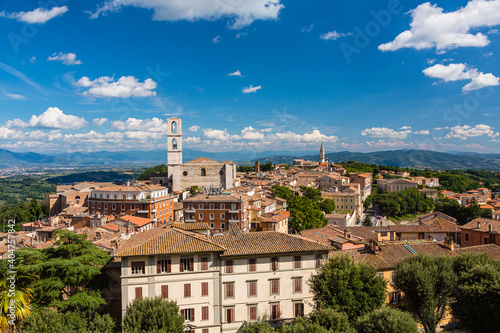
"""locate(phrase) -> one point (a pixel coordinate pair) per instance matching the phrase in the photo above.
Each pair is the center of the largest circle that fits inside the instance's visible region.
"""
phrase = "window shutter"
(181, 268)
(138, 292)
(192, 314)
(191, 265)
(204, 313)
(169, 266)
(182, 313)
(158, 267)
(164, 291)
(253, 313)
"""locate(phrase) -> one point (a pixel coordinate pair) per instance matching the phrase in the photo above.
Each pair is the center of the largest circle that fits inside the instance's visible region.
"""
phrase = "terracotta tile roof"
(486, 207)
(131, 188)
(274, 216)
(265, 242)
(484, 225)
(218, 198)
(110, 226)
(202, 160)
(135, 220)
(390, 254)
(166, 240)
(191, 226)
(366, 232)
(329, 234)
(434, 225)
(492, 250)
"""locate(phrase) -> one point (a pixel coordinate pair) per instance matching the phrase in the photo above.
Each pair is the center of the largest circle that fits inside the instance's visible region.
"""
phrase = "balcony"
(230, 220)
(143, 211)
(233, 211)
(189, 220)
(190, 210)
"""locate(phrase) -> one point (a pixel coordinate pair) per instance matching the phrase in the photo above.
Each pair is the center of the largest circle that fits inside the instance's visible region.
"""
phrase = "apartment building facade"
(147, 201)
(222, 281)
(218, 210)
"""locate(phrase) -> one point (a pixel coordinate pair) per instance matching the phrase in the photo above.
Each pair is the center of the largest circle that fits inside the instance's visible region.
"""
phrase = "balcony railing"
(143, 211)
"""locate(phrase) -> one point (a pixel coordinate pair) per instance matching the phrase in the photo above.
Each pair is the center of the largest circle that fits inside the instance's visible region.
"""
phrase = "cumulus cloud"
(432, 27)
(66, 58)
(133, 124)
(46, 136)
(384, 132)
(194, 128)
(53, 117)
(237, 73)
(249, 133)
(456, 72)
(314, 136)
(466, 131)
(124, 87)
(334, 35)
(191, 140)
(94, 137)
(39, 15)
(7, 133)
(422, 132)
(216, 134)
(241, 13)
(98, 122)
(251, 89)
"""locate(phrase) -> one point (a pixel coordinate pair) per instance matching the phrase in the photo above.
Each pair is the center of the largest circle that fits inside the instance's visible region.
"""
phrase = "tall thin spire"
(322, 154)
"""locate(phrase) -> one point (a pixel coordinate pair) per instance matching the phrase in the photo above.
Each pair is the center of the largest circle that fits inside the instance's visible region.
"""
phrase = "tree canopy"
(409, 201)
(152, 315)
(387, 320)
(147, 173)
(52, 321)
(345, 286)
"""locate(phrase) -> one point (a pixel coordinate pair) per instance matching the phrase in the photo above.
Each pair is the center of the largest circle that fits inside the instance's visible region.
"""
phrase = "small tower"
(322, 154)
(174, 152)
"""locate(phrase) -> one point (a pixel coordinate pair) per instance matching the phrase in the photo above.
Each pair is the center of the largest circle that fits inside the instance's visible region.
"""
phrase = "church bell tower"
(174, 152)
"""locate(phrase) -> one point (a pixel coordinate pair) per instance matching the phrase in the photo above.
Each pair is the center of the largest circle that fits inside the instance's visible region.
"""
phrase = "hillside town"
(227, 247)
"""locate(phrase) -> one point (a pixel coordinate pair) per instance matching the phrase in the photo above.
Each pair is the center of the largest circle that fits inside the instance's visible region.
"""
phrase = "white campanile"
(174, 151)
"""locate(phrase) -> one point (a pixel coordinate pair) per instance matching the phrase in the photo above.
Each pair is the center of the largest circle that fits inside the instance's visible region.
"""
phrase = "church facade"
(203, 172)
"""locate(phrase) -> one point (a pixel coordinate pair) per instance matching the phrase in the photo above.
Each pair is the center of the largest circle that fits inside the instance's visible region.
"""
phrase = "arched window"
(100, 196)
(107, 196)
(174, 144)
(174, 127)
(124, 197)
(116, 197)
(203, 171)
(134, 197)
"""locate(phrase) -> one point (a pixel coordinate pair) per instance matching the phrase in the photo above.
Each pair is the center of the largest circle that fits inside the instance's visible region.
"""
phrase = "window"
(174, 144)
(164, 266)
(205, 330)
(124, 197)
(164, 291)
(93, 205)
(222, 206)
(222, 216)
(123, 207)
(380, 274)
(394, 297)
(187, 264)
(297, 285)
(252, 265)
(188, 314)
(98, 206)
(211, 206)
(132, 207)
(275, 287)
(138, 292)
(113, 207)
(275, 311)
(252, 312)
(223, 226)
(233, 206)
(115, 197)
(274, 263)
(392, 276)
(138, 267)
(134, 196)
(229, 315)
(229, 266)
(212, 216)
(203, 172)
(204, 263)
(298, 309)
(200, 216)
(204, 289)
(297, 262)
(187, 290)
(319, 260)
(252, 288)
(200, 206)
(204, 313)
(105, 206)
(107, 196)
(212, 225)
(466, 237)
(229, 290)
(185, 173)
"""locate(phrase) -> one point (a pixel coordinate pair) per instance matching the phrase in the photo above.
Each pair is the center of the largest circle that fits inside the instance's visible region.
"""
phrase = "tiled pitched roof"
(166, 241)
(492, 250)
(484, 225)
(131, 188)
(135, 220)
(191, 226)
(202, 160)
(366, 232)
(218, 198)
(265, 242)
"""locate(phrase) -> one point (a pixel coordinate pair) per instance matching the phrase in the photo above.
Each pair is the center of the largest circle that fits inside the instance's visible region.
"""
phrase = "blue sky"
(104, 75)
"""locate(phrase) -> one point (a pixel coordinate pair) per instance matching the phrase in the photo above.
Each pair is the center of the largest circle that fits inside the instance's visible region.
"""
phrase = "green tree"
(333, 321)
(244, 168)
(313, 194)
(69, 273)
(261, 326)
(327, 206)
(477, 293)
(35, 209)
(194, 189)
(427, 284)
(301, 325)
(147, 173)
(70, 322)
(282, 192)
(152, 315)
(266, 167)
(387, 320)
(348, 287)
(304, 214)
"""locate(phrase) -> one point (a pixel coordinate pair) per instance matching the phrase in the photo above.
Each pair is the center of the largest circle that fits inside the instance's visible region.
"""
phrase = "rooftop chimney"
(478, 224)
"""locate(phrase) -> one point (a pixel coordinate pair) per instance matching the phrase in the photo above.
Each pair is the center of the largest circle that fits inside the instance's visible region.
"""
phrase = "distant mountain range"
(401, 158)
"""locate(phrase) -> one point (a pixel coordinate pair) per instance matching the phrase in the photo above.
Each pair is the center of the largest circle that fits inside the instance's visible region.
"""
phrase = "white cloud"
(191, 140)
(334, 35)
(194, 128)
(133, 124)
(14, 96)
(39, 15)
(249, 133)
(237, 73)
(48, 136)
(422, 132)
(251, 89)
(52, 118)
(216, 39)
(124, 87)
(7, 133)
(32, 60)
(431, 27)
(98, 122)
(466, 131)
(241, 13)
(241, 34)
(216, 134)
(314, 136)
(384, 132)
(66, 58)
(94, 137)
(456, 72)
(405, 127)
